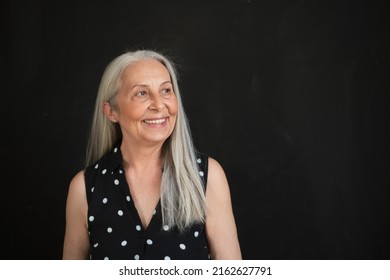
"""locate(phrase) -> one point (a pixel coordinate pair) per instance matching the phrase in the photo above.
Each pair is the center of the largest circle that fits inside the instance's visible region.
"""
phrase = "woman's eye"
(167, 91)
(141, 93)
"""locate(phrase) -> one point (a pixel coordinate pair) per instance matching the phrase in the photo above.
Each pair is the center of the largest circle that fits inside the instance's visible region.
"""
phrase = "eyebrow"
(142, 85)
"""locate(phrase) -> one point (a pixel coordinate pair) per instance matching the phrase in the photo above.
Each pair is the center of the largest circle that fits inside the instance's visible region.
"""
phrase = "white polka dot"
(124, 243)
(105, 200)
(104, 171)
(120, 171)
(91, 218)
(149, 242)
(116, 182)
(95, 245)
(109, 229)
(196, 233)
(97, 166)
(136, 257)
(166, 227)
(138, 227)
(92, 189)
(182, 246)
(199, 160)
(128, 198)
(115, 150)
(120, 213)
(154, 212)
(167, 258)
(201, 173)
(106, 258)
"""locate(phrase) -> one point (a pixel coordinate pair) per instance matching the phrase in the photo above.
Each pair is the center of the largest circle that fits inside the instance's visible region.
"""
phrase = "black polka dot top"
(115, 228)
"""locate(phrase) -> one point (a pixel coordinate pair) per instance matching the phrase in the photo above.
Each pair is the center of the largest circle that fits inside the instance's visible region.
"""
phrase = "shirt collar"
(114, 159)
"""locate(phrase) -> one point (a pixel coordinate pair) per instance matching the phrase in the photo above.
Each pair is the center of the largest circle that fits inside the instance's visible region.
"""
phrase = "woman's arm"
(220, 225)
(76, 243)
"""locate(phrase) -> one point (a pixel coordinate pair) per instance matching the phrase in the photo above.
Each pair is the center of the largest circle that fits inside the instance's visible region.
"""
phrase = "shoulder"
(216, 176)
(215, 168)
(104, 165)
(76, 204)
(110, 161)
(217, 190)
(202, 160)
(78, 178)
(77, 188)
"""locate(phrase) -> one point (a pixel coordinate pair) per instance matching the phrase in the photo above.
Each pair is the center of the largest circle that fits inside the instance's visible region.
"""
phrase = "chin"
(156, 139)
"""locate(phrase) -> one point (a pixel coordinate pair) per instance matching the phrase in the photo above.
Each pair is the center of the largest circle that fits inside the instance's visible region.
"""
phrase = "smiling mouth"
(156, 121)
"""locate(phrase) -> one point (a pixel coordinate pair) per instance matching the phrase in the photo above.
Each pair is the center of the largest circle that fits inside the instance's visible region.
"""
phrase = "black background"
(291, 97)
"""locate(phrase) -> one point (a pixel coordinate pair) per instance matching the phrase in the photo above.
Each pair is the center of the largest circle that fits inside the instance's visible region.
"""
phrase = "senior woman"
(145, 192)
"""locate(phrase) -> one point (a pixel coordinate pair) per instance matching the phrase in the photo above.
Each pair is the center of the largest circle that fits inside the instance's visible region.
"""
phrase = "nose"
(157, 103)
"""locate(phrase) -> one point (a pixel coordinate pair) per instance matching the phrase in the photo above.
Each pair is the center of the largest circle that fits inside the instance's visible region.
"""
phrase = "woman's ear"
(110, 112)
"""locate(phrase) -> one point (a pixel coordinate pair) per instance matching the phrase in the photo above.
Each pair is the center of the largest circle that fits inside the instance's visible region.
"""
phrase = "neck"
(142, 159)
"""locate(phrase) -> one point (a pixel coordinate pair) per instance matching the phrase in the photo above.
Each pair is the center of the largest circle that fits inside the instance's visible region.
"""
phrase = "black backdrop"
(291, 97)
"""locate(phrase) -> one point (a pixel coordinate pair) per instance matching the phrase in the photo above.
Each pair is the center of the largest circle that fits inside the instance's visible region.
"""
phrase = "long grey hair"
(182, 193)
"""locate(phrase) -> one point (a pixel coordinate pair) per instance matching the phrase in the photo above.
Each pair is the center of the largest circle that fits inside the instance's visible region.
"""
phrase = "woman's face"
(146, 104)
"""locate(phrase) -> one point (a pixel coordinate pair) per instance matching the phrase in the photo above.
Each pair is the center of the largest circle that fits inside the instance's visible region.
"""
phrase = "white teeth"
(160, 121)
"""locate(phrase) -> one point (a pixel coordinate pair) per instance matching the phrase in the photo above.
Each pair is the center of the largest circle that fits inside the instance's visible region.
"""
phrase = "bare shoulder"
(77, 183)
(76, 193)
(214, 165)
(217, 190)
(77, 200)
(216, 177)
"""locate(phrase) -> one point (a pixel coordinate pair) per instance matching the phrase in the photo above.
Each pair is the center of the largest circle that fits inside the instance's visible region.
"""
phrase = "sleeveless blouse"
(115, 228)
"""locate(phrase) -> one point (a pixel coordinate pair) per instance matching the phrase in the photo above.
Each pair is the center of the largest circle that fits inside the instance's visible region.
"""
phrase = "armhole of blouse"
(87, 181)
(204, 167)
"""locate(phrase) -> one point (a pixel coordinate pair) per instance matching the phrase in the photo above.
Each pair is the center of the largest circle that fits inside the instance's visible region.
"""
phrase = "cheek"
(173, 107)
(133, 111)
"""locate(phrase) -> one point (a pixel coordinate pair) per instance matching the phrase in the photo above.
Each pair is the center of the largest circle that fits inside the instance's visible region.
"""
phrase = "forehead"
(145, 71)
